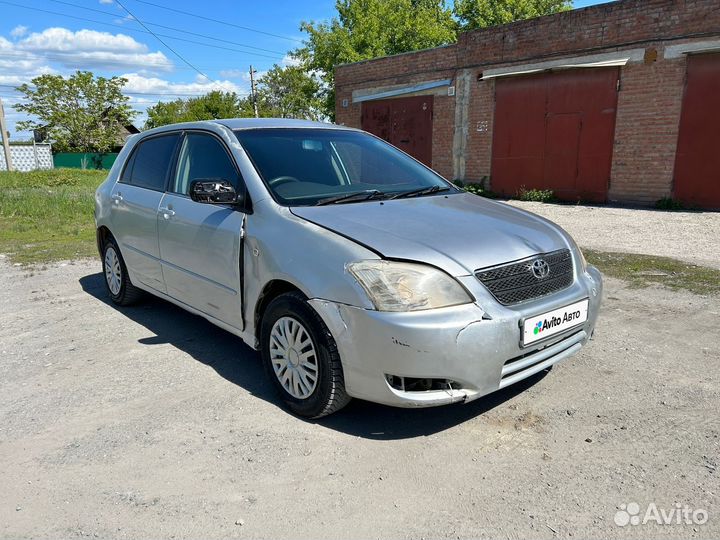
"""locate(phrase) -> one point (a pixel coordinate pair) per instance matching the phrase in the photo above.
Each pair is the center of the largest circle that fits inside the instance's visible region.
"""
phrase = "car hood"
(459, 233)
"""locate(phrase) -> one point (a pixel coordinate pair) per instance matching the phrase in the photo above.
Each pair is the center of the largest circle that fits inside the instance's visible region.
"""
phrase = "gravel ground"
(148, 422)
(688, 236)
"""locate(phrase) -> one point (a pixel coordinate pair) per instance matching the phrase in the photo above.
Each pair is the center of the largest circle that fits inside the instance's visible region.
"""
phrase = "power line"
(218, 21)
(180, 56)
(76, 17)
(170, 28)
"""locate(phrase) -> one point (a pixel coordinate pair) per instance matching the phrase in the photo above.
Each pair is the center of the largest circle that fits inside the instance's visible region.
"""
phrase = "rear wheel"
(121, 291)
(301, 357)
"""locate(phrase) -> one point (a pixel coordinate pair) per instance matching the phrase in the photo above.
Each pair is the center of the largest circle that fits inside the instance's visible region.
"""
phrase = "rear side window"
(150, 162)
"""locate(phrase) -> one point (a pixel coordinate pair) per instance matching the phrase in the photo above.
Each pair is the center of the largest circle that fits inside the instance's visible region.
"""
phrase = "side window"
(203, 156)
(148, 166)
(127, 171)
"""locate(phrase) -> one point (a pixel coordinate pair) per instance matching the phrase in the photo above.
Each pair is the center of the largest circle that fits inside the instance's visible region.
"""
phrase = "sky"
(190, 54)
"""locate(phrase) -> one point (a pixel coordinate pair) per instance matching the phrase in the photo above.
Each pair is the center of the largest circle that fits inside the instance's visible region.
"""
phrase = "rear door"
(136, 198)
(200, 244)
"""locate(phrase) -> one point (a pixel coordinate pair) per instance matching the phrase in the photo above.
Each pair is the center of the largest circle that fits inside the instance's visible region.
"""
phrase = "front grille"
(515, 282)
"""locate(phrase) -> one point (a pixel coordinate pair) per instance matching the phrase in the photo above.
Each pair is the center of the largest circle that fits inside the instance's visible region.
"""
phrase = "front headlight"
(400, 286)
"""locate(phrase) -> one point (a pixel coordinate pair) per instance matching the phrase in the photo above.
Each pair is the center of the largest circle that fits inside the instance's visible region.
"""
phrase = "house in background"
(615, 102)
(95, 160)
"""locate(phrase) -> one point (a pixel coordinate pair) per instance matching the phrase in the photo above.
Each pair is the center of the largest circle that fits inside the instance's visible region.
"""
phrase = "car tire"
(121, 291)
(301, 357)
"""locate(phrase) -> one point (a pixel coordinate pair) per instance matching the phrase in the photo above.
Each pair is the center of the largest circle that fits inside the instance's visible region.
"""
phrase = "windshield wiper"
(352, 197)
(420, 192)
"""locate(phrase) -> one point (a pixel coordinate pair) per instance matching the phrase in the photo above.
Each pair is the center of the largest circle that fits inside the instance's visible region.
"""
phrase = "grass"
(647, 270)
(47, 216)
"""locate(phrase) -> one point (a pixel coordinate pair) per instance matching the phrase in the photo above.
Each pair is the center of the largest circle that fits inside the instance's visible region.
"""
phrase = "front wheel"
(301, 357)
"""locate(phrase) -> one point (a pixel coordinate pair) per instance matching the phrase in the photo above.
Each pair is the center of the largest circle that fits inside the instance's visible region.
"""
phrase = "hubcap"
(293, 357)
(113, 273)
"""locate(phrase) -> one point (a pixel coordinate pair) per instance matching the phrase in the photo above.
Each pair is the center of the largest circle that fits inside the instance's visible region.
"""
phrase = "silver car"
(355, 270)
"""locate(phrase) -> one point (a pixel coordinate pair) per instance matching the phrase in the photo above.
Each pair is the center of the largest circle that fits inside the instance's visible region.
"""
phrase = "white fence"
(28, 158)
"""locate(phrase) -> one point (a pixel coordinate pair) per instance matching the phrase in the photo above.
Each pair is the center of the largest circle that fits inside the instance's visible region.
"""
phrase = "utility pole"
(6, 142)
(252, 90)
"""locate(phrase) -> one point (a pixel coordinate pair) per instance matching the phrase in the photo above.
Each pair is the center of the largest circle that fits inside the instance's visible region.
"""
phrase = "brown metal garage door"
(555, 131)
(697, 162)
(403, 122)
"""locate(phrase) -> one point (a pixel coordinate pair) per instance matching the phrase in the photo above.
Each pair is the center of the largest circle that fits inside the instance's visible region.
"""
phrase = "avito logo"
(556, 321)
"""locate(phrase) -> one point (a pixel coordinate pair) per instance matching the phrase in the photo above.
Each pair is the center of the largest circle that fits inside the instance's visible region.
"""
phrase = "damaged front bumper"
(447, 355)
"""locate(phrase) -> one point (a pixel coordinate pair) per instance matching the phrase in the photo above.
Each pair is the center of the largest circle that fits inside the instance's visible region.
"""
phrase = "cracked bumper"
(469, 345)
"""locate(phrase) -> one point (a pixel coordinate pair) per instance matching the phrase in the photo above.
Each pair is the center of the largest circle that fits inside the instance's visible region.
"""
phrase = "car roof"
(246, 123)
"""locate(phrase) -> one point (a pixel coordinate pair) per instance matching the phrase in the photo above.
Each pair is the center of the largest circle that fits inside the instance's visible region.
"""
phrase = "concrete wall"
(24, 158)
(654, 34)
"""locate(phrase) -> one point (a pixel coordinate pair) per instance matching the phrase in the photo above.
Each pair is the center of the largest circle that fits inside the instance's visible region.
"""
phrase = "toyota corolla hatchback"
(355, 270)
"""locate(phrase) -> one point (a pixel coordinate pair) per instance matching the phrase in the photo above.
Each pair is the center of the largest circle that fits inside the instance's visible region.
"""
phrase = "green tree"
(82, 113)
(483, 13)
(213, 105)
(367, 29)
(290, 92)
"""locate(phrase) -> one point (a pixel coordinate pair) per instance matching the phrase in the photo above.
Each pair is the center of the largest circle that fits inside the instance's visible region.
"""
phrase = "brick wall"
(589, 30)
(649, 101)
(646, 130)
(443, 133)
(479, 146)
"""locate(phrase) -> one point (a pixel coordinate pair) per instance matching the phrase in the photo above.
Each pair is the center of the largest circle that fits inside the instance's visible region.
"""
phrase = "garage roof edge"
(399, 91)
(619, 58)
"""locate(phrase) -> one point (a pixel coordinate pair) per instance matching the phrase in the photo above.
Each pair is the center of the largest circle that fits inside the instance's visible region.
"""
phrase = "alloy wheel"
(293, 357)
(113, 272)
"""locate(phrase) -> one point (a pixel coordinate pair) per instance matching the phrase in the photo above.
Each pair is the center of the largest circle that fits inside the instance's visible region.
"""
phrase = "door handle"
(117, 197)
(167, 213)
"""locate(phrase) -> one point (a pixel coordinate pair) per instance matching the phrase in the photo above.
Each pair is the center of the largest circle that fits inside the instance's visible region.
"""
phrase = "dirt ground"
(688, 236)
(148, 422)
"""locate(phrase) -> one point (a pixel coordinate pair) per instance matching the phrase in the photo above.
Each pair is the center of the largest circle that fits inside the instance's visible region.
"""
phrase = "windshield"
(305, 167)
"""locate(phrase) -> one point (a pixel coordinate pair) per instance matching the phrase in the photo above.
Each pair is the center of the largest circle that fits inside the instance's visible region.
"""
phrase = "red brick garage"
(616, 102)
(697, 162)
(555, 131)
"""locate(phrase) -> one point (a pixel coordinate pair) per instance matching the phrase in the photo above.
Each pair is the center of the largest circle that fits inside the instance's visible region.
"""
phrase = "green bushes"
(537, 195)
(668, 203)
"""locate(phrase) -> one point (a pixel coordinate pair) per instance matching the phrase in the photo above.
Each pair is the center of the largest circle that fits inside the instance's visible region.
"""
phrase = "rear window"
(150, 162)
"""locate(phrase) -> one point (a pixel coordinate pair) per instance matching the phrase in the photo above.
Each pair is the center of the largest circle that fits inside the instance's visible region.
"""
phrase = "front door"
(136, 198)
(200, 243)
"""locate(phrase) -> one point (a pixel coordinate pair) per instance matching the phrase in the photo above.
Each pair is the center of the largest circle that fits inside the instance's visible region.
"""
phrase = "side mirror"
(211, 191)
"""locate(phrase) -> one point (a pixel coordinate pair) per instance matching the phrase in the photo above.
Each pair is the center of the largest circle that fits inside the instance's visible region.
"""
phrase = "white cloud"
(107, 2)
(19, 31)
(62, 39)
(233, 73)
(90, 49)
(159, 87)
(126, 18)
(289, 61)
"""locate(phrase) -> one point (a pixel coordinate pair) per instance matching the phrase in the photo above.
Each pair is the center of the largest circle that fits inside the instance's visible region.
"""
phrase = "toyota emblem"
(540, 268)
